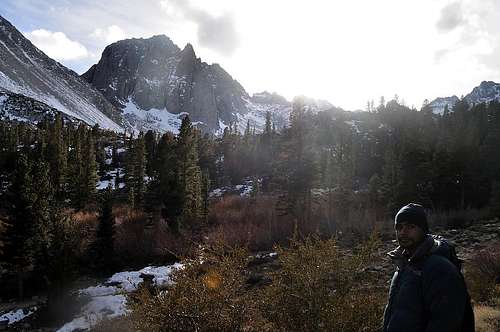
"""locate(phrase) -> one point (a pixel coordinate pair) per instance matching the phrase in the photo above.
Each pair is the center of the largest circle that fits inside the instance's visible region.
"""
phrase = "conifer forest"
(78, 200)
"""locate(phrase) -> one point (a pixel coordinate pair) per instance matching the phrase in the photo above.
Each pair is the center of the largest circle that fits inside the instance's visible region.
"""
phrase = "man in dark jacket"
(427, 293)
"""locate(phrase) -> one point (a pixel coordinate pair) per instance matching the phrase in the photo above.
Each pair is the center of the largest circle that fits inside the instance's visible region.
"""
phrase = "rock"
(155, 73)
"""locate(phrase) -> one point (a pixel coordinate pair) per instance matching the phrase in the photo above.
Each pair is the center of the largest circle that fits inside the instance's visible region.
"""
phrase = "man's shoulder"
(436, 265)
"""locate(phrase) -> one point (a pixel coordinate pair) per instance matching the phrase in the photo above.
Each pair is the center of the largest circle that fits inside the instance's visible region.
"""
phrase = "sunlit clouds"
(57, 45)
(347, 52)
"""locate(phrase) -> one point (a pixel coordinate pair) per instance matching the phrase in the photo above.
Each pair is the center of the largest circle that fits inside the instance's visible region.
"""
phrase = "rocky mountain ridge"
(155, 83)
(140, 75)
(486, 91)
(26, 70)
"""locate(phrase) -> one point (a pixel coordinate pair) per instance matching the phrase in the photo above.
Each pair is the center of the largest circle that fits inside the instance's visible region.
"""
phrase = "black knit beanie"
(413, 214)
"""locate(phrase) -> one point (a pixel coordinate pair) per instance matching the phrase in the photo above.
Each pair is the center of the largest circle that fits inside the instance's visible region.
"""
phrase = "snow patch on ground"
(243, 190)
(109, 306)
(16, 315)
(109, 300)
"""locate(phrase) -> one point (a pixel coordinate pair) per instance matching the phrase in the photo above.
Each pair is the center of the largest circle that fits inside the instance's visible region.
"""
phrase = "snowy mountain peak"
(486, 91)
(153, 74)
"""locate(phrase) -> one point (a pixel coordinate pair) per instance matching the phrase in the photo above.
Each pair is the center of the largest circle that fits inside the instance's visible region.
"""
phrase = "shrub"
(252, 223)
(209, 295)
(321, 289)
(317, 288)
(84, 223)
(483, 275)
(139, 241)
(487, 318)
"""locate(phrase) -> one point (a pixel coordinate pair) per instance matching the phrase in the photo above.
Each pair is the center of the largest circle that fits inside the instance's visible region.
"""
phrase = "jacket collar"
(400, 256)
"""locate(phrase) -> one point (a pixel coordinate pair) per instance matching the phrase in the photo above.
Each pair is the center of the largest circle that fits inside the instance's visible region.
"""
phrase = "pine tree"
(104, 243)
(297, 168)
(42, 213)
(60, 268)
(89, 171)
(205, 191)
(57, 156)
(167, 185)
(139, 169)
(77, 168)
(20, 200)
(189, 173)
(150, 144)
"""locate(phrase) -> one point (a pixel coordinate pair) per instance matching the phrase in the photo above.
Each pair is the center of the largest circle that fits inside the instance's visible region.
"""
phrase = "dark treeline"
(334, 162)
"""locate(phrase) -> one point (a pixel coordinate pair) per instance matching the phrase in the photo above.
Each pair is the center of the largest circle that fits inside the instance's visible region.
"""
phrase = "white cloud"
(57, 45)
(109, 34)
(215, 32)
(452, 16)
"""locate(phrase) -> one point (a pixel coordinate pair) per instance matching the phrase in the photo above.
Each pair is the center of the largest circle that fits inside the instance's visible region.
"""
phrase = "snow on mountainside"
(487, 91)
(26, 70)
(158, 77)
(278, 107)
(17, 107)
(438, 105)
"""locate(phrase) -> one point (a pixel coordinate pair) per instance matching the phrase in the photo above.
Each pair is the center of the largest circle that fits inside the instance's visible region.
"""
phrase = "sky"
(346, 52)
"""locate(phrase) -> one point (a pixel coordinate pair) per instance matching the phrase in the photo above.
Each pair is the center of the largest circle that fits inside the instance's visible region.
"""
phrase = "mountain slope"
(485, 92)
(26, 70)
(17, 107)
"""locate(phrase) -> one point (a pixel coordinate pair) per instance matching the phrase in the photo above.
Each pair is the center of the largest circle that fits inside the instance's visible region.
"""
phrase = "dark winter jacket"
(427, 292)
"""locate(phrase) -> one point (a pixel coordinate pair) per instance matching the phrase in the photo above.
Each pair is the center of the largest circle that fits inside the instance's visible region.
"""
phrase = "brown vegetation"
(487, 318)
(250, 223)
(483, 275)
(316, 289)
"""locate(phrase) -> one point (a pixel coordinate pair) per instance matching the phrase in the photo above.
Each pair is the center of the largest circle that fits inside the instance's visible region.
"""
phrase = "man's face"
(409, 235)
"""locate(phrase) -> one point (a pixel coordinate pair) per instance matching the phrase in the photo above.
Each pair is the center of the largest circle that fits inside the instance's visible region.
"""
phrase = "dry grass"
(250, 223)
(483, 274)
(487, 318)
(84, 224)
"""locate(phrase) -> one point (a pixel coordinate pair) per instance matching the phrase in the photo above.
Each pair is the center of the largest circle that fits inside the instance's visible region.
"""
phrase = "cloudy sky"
(347, 52)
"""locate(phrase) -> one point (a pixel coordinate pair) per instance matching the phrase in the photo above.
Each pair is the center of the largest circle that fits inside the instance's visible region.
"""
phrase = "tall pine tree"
(188, 172)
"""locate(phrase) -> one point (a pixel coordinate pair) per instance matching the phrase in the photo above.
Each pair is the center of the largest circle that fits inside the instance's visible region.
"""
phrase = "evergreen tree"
(20, 200)
(57, 156)
(104, 243)
(205, 191)
(297, 169)
(77, 168)
(189, 173)
(59, 267)
(167, 185)
(42, 214)
(89, 171)
(139, 169)
(150, 144)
